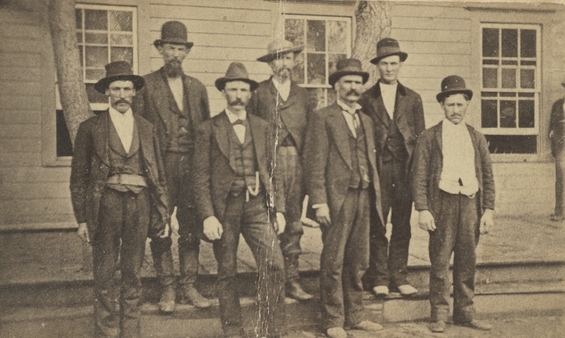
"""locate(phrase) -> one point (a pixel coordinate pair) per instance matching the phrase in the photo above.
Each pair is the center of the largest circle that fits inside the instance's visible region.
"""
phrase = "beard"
(173, 68)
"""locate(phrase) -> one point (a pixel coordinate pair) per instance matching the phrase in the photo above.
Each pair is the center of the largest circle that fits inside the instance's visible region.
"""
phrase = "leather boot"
(163, 263)
(293, 288)
(188, 266)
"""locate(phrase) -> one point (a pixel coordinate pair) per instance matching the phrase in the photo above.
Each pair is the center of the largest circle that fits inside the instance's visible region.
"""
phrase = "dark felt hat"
(278, 48)
(387, 47)
(348, 67)
(453, 84)
(118, 71)
(236, 72)
(173, 32)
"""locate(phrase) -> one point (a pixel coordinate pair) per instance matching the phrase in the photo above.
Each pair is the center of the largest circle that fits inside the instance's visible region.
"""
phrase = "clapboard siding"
(199, 52)
(430, 11)
(223, 40)
(38, 175)
(9, 59)
(219, 27)
(214, 11)
(18, 131)
(12, 210)
(424, 22)
(14, 161)
(17, 145)
(33, 191)
(433, 35)
(20, 73)
(16, 116)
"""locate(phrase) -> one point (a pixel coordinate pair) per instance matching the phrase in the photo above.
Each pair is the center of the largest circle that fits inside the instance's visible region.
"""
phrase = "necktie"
(239, 129)
(355, 120)
(236, 122)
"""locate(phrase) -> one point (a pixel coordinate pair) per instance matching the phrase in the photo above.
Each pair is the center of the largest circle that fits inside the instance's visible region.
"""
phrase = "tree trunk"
(373, 19)
(74, 100)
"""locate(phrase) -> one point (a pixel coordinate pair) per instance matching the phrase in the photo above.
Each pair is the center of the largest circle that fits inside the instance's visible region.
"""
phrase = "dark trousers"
(119, 244)
(388, 261)
(252, 221)
(344, 259)
(559, 181)
(457, 231)
(178, 167)
(289, 177)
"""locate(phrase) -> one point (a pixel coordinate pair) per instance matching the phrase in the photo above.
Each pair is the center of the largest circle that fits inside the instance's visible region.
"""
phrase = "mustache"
(353, 92)
(120, 101)
(237, 102)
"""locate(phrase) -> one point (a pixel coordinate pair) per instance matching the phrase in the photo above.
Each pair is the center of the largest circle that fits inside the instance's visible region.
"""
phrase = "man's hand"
(323, 215)
(487, 221)
(166, 231)
(213, 229)
(281, 223)
(82, 232)
(426, 221)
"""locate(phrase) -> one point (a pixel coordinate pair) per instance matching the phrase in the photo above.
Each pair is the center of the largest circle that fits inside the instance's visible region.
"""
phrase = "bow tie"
(236, 122)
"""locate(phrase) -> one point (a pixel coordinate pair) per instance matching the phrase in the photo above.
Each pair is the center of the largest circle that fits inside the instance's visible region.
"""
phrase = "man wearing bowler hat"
(342, 181)
(398, 118)
(119, 199)
(234, 195)
(453, 189)
(557, 137)
(176, 104)
(284, 104)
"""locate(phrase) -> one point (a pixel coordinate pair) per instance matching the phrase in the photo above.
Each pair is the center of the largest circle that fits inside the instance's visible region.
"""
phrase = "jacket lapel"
(438, 137)
(100, 136)
(221, 125)
(340, 132)
(259, 142)
(145, 136)
(379, 106)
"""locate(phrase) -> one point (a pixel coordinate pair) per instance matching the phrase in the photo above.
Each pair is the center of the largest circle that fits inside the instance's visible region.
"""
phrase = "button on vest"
(243, 160)
(358, 149)
(124, 163)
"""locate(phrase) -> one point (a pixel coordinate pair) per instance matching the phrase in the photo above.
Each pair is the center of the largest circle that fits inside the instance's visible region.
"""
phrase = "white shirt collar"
(282, 88)
(232, 117)
(385, 87)
(347, 108)
(454, 127)
(114, 113)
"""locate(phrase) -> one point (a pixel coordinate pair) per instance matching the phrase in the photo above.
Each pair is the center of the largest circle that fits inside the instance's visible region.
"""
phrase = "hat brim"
(403, 57)
(103, 84)
(271, 56)
(221, 82)
(441, 96)
(337, 75)
(159, 42)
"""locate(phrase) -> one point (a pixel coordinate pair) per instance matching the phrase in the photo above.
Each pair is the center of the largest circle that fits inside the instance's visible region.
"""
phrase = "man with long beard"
(176, 104)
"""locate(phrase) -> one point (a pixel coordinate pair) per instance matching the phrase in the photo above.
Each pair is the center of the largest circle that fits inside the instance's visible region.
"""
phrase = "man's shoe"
(407, 290)
(167, 300)
(438, 327)
(381, 290)
(475, 324)
(336, 332)
(367, 325)
(294, 290)
(191, 296)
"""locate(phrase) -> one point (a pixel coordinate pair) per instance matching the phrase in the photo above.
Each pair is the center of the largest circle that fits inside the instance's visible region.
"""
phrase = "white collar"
(347, 108)
(232, 117)
(385, 87)
(278, 84)
(454, 127)
(127, 115)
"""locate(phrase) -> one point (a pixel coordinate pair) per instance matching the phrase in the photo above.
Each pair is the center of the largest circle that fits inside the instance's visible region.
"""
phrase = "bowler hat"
(173, 32)
(387, 47)
(348, 67)
(118, 71)
(278, 48)
(453, 84)
(236, 72)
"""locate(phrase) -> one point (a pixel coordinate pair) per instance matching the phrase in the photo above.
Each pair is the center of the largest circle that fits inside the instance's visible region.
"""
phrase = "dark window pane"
(79, 37)
(488, 114)
(122, 54)
(93, 95)
(508, 114)
(527, 63)
(490, 42)
(510, 62)
(81, 54)
(489, 94)
(509, 42)
(508, 78)
(490, 62)
(64, 144)
(298, 70)
(316, 36)
(506, 94)
(121, 21)
(527, 78)
(337, 36)
(96, 56)
(294, 31)
(316, 69)
(78, 16)
(526, 94)
(96, 38)
(95, 19)
(528, 43)
(490, 78)
(514, 144)
(526, 117)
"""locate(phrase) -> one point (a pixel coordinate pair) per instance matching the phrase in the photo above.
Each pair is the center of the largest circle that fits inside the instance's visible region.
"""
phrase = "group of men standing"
(246, 171)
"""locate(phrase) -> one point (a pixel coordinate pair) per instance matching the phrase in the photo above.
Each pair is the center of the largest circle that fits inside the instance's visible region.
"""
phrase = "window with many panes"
(510, 87)
(104, 34)
(326, 40)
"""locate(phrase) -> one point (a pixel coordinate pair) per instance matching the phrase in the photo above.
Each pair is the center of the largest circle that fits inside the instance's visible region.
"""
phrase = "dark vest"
(179, 124)
(359, 162)
(243, 160)
(394, 145)
(130, 163)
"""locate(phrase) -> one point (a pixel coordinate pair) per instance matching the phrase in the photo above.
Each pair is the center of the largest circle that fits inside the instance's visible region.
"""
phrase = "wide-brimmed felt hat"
(387, 47)
(236, 72)
(278, 48)
(173, 32)
(348, 67)
(118, 71)
(453, 84)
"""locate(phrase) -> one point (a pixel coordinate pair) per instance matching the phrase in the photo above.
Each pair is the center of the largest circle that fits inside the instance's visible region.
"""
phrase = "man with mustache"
(176, 104)
(234, 194)
(453, 189)
(342, 182)
(285, 105)
(119, 199)
(398, 117)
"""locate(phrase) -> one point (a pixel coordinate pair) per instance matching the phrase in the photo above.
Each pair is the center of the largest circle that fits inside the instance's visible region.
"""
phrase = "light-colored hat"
(118, 71)
(236, 72)
(278, 48)
(387, 47)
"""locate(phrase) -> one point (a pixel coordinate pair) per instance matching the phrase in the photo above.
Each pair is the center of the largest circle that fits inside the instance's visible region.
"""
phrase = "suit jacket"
(557, 126)
(213, 175)
(91, 165)
(327, 158)
(408, 115)
(155, 99)
(428, 164)
(266, 103)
